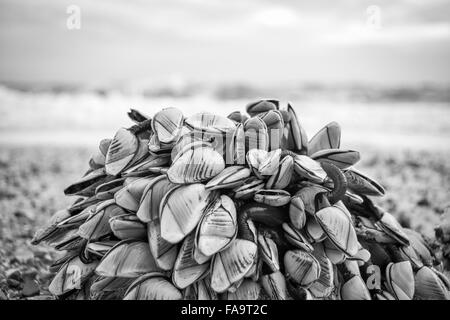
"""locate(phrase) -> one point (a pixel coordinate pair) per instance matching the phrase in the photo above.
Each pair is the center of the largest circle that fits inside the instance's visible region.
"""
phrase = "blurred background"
(70, 70)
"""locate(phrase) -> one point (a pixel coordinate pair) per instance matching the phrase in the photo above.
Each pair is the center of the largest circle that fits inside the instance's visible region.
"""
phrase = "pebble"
(30, 288)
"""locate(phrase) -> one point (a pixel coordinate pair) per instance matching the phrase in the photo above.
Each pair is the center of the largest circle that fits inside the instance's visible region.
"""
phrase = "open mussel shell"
(186, 270)
(127, 226)
(342, 159)
(339, 229)
(167, 124)
(71, 275)
(354, 289)
(274, 198)
(121, 151)
(362, 184)
(274, 285)
(218, 226)
(301, 267)
(127, 259)
(248, 290)
(229, 178)
(232, 264)
(181, 210)
(256, 134)
(295, 237)
(261, 106)
(282, 175)
(151, 198)
(295, 135)
(130, 195)
(400, 280)
(152, 286)
(428, 286)
(309, 169)
(329, 137)
(208, 122)
(197, 162)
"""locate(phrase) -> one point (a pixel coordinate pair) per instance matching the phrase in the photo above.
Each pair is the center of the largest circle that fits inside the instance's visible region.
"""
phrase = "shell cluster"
(238, 207)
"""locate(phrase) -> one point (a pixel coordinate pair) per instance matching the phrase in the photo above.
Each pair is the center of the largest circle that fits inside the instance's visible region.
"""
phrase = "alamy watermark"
(73, 21)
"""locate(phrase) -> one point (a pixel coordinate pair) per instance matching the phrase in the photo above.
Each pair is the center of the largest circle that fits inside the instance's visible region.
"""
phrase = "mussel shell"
(121, 151)
(309, 169)
(339, 229)
(86, 185)
(274, 285)
(324, 285)
(72, 275)
(296, 138)
(428, 286)
(354, 289)
(97, 225)
(149, 206)
(270, 163)
(301, 267)
(230, 177)
(108, 284)
(167, 124)
(200, 290)
(281, 178)
(127, 226)
(182, 209)
(296, 238)
(248, 290)
(51, 227)
(261, 106)
(275, 126)
(400, 280)
(362, 184)
(165, 253)
(195, 164)
(275, 198)
(236, 150)
(329, 137)
(208, 122)
(342, 159)
(130, 195)
(186, 270)
(269, 252)
(152, 286)
(392, 228)
(232, 264)
(218, 226)
(127, 259)
(247, 190)
(256, 134)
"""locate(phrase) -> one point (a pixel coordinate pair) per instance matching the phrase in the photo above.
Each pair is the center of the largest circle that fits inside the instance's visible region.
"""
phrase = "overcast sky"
(225, 41)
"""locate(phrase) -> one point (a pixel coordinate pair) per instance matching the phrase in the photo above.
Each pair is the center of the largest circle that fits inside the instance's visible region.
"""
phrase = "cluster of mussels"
(237, 207)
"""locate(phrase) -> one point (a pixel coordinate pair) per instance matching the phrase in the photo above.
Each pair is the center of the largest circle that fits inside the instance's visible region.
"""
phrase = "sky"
(233, 41)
